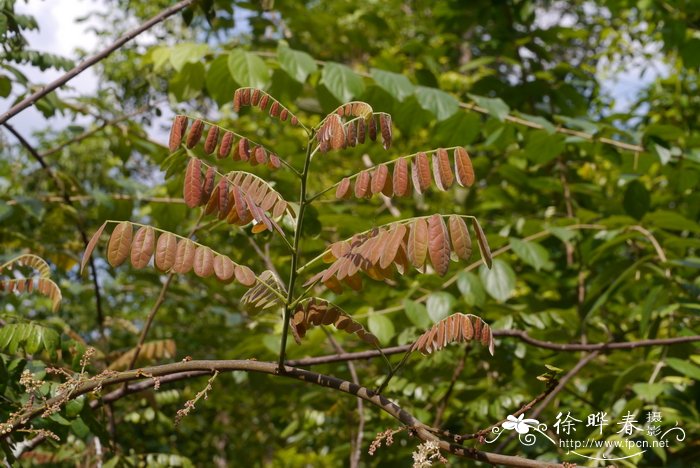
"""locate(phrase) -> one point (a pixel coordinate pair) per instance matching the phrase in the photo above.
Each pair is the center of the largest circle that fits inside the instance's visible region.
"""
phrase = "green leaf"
(649, 391)
(495, 106)
(499, 281)
(531, 253)
(396, 84)
(247, 69)
(636, 200)
(381, 327)
(79, 428)
(343, 83)
(439, 305)
(188, 83)
(459, 130)
(5, 210)
(690, 52)
(299, 65)
(686, 368)
(5, 86)
(417, 314)
(441, 104)
(218, 81)
(663, 153)
(542, 147)
(187, 52)
(671, 220)
(547, 126)
(472, 291)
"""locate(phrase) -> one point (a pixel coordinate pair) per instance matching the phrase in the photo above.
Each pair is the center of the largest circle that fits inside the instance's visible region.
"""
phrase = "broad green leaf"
(5, 210)
(247, 69)
(636, 199)
(495, 106)
(381, 327)
(690, 52)
(663, 153)
(499, 281)
(649, 391)
(187, 52)
(343, 83)
(439, 305)
(547, 126)
(685, 367)
(440, 103)
(159, 56)
(188, 83)
(531, 253)
(459, 130)
(579, 124)
(417, 314)
(396, 84)
(5, 86)
(299, 65)
(542, 147)
(671, 220)
(472, 291)
(218, 80)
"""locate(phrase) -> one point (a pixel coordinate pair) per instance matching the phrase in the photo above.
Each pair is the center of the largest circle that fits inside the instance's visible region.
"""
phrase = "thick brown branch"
(87, 63)
(212, 366)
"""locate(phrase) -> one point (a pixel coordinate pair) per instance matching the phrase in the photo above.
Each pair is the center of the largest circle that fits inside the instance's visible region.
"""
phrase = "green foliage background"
(429, 64)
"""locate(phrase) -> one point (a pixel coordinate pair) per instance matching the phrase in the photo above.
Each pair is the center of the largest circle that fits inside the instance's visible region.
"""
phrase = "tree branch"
(521, 335)
(186, 368)
(87, 63)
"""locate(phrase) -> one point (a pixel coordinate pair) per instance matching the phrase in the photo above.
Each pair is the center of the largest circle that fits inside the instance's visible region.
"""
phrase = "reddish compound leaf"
(441, 169)
(456, 328)
(91, 246)
(459, 234)
(142, 247)
(177, 131)
(192, 187)
(463, 167)
(203, 262)
(195, 133)
(401, 181)
(343, 190)
(417, 248)
(438, 244)
(212, 139)
(483, 243)
(420, 172)
(119, 243)
(166, 250)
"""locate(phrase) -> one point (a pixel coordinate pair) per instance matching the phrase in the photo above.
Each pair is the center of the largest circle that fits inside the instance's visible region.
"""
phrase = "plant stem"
(295, 250)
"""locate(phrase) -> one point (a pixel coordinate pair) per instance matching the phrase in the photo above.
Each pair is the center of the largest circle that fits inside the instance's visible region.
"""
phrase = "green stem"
(295, 251)
(394, 370)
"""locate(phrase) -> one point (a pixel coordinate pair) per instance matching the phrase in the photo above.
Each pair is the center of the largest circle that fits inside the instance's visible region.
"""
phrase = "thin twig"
(554, 392)
(563, 381)
(89, 62)
(92, 131)
(113, 196)
(442, 406)
(519, 334)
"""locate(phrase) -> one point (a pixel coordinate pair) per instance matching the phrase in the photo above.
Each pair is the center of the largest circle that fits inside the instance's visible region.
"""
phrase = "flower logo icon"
(520, 424)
